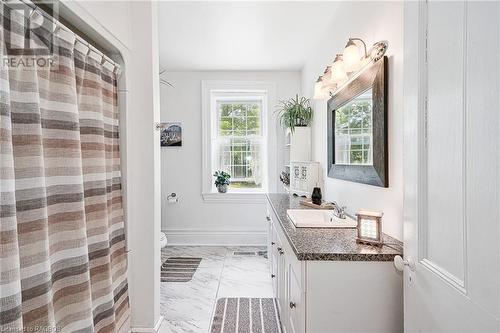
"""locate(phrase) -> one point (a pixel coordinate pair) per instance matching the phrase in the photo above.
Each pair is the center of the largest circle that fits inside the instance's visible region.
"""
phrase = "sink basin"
(316, 218)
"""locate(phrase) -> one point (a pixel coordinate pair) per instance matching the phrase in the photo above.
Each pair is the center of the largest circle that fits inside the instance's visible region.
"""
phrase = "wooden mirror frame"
(374, 77)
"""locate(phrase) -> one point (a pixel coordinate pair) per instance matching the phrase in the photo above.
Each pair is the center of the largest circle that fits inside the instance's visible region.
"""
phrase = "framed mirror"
(357, 128)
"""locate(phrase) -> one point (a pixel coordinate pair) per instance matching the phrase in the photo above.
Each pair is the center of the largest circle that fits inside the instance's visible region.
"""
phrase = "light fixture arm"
(362, 41)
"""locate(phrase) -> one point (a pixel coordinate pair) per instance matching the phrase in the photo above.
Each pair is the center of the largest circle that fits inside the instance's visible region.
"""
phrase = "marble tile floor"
(187, 307)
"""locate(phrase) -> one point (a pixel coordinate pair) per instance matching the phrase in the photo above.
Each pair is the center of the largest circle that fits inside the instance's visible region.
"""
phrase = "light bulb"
(319, 89)
(338, 70)
(351, 56)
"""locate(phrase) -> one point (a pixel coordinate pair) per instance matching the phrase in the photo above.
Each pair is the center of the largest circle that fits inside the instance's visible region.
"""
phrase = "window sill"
(235, 197)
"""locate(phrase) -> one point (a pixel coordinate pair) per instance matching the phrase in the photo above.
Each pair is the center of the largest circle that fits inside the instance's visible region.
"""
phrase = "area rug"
(245, 315)
(179, 269)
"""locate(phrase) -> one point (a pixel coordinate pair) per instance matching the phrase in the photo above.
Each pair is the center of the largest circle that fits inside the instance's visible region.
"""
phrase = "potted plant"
(221, 181)
(295, 112)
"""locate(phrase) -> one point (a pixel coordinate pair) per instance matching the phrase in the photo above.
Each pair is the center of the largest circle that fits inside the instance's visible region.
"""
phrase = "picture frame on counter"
(369, 227)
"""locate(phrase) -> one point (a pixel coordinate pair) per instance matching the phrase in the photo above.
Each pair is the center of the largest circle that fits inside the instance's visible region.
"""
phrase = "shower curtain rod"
(78, 38)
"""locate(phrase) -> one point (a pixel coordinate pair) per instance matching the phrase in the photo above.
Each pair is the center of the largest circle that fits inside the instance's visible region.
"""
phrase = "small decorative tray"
(308, 203)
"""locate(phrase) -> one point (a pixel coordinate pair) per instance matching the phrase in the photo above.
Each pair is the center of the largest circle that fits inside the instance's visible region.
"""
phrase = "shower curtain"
(63, 264)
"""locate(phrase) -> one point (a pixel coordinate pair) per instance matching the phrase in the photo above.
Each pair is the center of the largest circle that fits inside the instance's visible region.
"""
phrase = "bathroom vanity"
(325, 282)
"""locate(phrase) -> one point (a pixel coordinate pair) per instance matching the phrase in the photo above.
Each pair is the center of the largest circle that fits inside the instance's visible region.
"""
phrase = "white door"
(451, 166)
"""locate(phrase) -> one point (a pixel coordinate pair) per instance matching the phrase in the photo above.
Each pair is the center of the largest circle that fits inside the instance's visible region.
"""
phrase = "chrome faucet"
(339, 211)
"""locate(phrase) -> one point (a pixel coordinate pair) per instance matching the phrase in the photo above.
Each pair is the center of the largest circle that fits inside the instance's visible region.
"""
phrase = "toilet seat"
(163, 240)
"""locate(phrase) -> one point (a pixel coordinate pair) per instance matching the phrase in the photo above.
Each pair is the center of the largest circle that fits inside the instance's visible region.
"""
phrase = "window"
(239, 142)
(237, 139)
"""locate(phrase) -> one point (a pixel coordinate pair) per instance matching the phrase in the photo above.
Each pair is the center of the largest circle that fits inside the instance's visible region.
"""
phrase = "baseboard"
(213, 238)
(154, 329)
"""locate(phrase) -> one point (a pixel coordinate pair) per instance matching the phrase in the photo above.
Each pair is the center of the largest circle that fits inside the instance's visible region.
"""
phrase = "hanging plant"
(295, 112)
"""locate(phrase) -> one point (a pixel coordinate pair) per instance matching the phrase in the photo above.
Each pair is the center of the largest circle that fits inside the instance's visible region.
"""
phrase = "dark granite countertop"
(337, 244)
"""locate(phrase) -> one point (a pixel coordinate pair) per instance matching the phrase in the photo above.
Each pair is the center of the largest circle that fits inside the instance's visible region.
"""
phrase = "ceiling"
(255, 35)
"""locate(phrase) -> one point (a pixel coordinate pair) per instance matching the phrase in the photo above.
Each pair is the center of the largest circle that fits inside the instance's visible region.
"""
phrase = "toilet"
(163, 240)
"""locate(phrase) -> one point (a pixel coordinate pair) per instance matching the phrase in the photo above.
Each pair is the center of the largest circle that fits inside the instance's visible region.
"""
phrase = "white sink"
(316, 218)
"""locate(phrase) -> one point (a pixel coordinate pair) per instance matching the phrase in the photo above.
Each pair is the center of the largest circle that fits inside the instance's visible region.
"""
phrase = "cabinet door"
(296, 311)
(281, 279)
(273, 259)
(270, 241)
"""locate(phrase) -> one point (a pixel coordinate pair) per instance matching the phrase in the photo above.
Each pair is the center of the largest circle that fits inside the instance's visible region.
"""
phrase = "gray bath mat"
(245, 315)
(179, 269)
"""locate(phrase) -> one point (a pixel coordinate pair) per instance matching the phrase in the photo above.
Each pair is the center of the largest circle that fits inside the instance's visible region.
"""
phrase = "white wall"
(371, 21)
(143, 166)
(193, 221)
(110, 23)
(104, 11)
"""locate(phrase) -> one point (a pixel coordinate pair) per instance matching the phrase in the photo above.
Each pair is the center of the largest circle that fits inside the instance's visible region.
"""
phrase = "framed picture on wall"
(171, 134)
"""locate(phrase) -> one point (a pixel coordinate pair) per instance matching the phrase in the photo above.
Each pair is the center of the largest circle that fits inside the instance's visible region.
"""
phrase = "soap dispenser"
(316, 196)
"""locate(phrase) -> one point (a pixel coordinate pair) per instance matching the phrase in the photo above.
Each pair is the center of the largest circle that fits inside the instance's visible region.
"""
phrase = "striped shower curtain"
(63, 264)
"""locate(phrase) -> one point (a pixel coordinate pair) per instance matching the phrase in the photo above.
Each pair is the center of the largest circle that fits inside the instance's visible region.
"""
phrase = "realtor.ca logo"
(27, 37)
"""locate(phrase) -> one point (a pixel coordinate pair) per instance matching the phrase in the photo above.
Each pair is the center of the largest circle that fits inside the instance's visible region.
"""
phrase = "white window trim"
(261, 96)
(209, 88)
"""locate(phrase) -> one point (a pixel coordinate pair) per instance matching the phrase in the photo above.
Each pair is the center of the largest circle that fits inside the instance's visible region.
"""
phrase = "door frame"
(413, 126)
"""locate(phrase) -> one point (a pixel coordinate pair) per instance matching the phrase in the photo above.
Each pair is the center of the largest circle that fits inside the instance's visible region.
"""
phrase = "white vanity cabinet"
(286, 274)
(327, 296)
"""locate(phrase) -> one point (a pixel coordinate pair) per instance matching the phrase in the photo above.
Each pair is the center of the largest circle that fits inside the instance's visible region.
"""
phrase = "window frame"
(214, 92)
(239, 96)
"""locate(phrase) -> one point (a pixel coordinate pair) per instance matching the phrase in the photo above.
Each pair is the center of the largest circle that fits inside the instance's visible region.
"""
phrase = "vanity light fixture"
(338, 70)
(319, 92)
(327, 74)
(322, 89)
(352, 57)
(348, 65)
(369, 227)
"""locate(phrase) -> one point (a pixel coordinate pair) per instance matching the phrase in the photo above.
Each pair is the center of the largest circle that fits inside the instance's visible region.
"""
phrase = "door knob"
(292, 305)
(400, 263)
